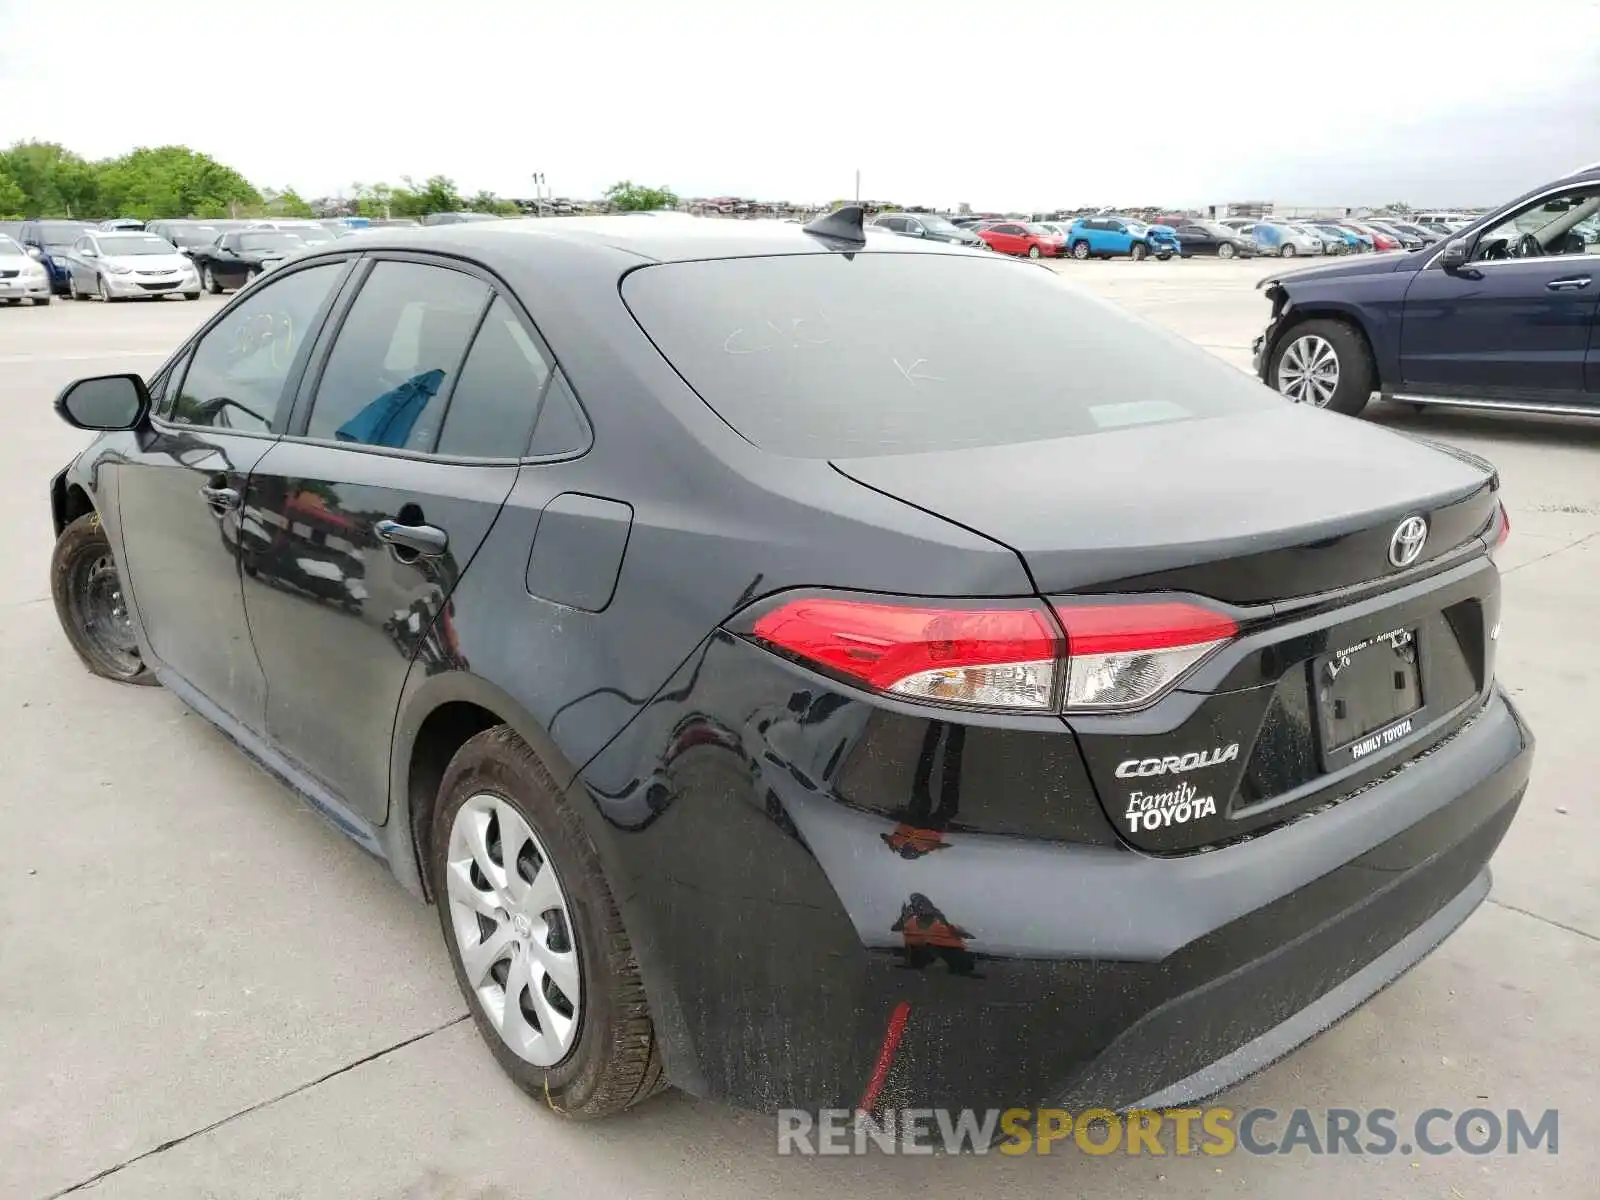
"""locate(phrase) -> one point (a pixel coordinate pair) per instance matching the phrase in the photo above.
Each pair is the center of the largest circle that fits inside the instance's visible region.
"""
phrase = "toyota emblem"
(1405, 544)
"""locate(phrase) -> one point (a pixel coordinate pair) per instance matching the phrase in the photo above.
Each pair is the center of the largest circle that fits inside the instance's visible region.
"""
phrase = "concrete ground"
(205, 992)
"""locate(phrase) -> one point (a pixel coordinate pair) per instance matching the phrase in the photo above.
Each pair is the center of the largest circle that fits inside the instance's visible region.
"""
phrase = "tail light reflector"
(981, 658)
(1115, 656)
(1125, 655)
(1499, 529)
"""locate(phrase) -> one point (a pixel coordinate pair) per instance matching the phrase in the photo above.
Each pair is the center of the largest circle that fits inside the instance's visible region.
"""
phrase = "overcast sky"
(1014, 106)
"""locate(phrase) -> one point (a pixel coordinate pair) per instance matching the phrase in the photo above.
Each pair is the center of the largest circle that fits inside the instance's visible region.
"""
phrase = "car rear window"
(842, 356)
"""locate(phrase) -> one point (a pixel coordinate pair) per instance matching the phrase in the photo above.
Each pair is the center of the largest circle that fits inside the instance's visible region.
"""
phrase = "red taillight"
(1123, 656)
(1500, 530)
(1116, 656)
(981, 657)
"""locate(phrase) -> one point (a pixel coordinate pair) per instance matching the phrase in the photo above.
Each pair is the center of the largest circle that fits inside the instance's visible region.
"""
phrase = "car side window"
(1555, 225)
(492, 410)
(237, 373)
(397, 357)
(561, 428)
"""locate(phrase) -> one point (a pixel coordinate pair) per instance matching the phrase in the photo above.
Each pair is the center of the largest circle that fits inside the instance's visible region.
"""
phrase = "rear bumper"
(779, 929)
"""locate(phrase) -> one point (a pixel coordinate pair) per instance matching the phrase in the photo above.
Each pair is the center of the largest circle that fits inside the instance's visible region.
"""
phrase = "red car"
(1017, 237)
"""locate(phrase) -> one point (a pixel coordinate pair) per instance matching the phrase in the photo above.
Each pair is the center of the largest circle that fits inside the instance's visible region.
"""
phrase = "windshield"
(834, 356)
(61, 233)
(280, 239)
(117, 245)
(1040, 231)
(194, 235)
(1216, 230)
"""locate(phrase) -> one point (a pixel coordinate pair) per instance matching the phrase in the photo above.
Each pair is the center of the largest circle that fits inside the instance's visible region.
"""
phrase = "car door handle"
(429, 541)
(1576, 283)
(220, 497)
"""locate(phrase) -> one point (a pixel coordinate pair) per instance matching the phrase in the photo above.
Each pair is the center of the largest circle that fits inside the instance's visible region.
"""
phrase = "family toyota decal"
(1179, 1132)
(1177, 764)
(1156, 809)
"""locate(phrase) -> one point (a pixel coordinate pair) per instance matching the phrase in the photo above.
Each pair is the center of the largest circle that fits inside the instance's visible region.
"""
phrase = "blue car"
(51, 243)
(1118, 237)
(1498, 316)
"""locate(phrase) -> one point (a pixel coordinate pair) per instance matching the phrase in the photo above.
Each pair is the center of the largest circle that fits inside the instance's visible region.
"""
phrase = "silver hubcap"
(513, 930)
(1308, 373)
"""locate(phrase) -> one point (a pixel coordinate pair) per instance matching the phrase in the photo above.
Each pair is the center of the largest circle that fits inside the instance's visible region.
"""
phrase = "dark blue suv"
(1502, 315)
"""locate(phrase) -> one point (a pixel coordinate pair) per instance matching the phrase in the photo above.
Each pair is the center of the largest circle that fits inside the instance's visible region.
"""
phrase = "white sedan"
(121, 266)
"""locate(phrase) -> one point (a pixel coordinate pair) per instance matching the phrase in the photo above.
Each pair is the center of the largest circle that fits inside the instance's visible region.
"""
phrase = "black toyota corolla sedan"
(787, 686)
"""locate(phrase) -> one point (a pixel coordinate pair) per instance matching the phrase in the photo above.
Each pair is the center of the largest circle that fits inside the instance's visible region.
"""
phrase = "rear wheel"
(1034, 252)
(1325, 364)
(1080, 250)
(91, 605)
(191, 295)
(1138, 252)
(534, 935)
(42, 300)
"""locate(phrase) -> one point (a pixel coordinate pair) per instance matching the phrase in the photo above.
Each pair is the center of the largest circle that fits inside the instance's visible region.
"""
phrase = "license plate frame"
(1367, 695)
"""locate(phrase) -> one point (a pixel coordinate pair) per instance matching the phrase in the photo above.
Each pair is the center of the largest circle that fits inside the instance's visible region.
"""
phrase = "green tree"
(435, 194)
(628, 196)
(488, 202)
(288, 203)
(12, 198)
(54, 181)
(170, 181)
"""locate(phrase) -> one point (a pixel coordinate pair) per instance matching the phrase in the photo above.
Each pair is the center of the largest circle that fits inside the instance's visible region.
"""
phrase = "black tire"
(1164, 255)
(1138, 251)
(13, 302)
(191, 295)
(1080, 251)
(1034, 252)
(1357, 373)
(41, 300)
(1286, 251)
(1225, 250)
(78, 567)
(615, 1062)
(209, 278)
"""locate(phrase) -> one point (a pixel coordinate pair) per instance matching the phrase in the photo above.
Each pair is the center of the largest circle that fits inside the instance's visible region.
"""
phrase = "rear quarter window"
(841, 356)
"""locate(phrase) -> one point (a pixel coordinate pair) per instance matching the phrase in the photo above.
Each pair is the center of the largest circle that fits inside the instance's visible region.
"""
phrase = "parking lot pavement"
(206, 992)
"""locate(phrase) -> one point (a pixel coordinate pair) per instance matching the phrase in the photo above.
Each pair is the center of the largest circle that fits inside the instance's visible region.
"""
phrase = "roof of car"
(657, 241)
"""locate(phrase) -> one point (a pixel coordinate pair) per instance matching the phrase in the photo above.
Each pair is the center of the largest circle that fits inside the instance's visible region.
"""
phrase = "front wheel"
(1225, 250)
(538, 947)
(41, 301)
(1138, 252)
(91, 606)
(1325, 364)
(1164, 255)
(208, 280)
(1287, 251)
(191, 295)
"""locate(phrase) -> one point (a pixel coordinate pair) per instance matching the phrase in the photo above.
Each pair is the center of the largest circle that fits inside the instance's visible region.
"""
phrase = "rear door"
(405, 442)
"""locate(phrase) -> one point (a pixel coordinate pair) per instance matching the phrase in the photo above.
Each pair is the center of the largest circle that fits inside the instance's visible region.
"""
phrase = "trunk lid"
(1248, 509)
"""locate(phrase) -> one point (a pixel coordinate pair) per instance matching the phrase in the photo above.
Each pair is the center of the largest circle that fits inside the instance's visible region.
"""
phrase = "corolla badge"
(1405, 543)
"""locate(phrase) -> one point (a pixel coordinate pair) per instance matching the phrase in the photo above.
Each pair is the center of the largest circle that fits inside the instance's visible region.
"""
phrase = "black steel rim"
(101, 612)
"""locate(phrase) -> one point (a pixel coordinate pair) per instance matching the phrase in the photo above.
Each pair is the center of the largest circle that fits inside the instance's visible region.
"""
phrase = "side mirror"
(104, 402)
(86, 252)
(1454, 255)
(35, 252)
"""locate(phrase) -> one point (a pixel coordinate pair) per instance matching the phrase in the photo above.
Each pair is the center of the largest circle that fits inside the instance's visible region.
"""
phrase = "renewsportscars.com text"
(1179, 1131)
